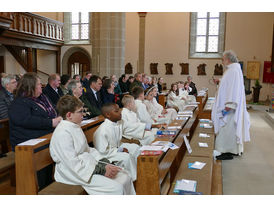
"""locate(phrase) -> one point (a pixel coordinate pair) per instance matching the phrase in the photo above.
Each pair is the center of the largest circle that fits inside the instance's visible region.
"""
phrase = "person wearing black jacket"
(123, 83)
(52, 89)
(31, 115)
(93, 93)
(192, 86)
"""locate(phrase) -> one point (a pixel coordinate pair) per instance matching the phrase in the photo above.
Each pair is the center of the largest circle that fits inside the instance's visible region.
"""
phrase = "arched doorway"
(78, 63)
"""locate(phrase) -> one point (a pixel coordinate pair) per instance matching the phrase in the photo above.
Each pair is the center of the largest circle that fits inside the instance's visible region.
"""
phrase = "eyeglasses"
(81, 111)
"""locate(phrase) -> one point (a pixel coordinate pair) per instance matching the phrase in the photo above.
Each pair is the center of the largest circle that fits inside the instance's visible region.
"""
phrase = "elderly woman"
(31, 116)
(76, 89)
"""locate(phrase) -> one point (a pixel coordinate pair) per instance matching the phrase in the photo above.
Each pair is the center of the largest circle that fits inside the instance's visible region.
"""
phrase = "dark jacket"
(52, 95)
(134, 84)
(91, 109)
(123, 86)
(92, 100)
(5, 102)
(85, 83)
(27, 120)
(107, 97)
(160, 88)
(194, 90)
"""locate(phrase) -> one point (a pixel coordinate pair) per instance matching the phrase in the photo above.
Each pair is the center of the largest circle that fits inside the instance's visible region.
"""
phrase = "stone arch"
(71, 51)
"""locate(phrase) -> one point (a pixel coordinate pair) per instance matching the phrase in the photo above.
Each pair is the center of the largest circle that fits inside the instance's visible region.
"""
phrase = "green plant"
(257, 83)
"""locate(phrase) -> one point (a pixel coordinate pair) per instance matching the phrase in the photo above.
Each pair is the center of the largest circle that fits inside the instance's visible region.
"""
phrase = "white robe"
(155, 110)
(174, 100)
(233, 127)
(133, 128)
(189, 98)
(142, 112)
(107, 140)
(76, 161)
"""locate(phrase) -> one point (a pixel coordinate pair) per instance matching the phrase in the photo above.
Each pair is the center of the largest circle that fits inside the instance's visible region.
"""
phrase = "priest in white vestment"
(133, 128)
(156, 110)
(229, 114)
(76, 162)
(107, 140)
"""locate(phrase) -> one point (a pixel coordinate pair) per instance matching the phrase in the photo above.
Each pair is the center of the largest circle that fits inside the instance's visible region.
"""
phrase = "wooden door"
(78, 63)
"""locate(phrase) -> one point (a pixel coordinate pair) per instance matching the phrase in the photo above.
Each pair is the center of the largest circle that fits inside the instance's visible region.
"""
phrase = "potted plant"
(256, 91)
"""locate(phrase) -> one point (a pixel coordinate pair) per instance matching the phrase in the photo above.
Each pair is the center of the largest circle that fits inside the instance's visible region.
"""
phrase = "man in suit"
(85, 81)
(52, 89)
(192, 86)
(93, 93)
(137, 81)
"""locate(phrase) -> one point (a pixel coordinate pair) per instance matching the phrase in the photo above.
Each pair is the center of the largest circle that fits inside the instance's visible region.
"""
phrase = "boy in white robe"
(156, 110)
(107, 140)
(173, 98)
(183, 92)
(133, 128)
(76, 162)
(141, 110)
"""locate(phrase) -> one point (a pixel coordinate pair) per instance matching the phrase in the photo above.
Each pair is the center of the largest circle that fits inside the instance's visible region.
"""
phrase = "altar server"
(76, 162)
(107, 140)
(133, 128)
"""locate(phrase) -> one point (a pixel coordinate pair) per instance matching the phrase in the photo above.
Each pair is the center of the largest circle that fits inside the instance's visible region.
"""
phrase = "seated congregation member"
(76, 89)
(183, 93)
(85, 81)
(93, 94)
(141, 110)
(137, 81)
(129, 82)
(65, 79)
(9, 84)
(107, 91)
(52, 89)
(117, 89)
(187, 88)
(133, 128)
(77, 77)
(174, 100)
(192, 86)
(156, 110)
(76, 162)
(107, 140)
(145, 81)
(31, 115)
(123, 83)
(160, 84)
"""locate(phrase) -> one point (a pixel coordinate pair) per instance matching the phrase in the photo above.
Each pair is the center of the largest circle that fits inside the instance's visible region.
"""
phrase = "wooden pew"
(30, 159)
(162, 98)
(7, 163)
(206, 112)
(209, 179)
(156, 173)
(202, 100)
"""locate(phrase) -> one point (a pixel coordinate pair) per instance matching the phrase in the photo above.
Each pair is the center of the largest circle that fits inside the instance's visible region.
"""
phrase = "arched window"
(76, 27)
(207, 32)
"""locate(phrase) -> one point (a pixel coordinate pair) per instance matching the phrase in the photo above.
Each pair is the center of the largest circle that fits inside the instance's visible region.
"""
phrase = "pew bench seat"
(7, 164)
(57, 188)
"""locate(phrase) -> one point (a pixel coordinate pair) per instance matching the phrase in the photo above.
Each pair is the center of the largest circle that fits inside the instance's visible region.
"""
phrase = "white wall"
(10, 63)
(46, 62)
(167, 41)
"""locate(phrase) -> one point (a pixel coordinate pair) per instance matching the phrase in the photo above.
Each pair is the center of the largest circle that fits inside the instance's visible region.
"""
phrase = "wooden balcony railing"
(32, 27)
(36, 25)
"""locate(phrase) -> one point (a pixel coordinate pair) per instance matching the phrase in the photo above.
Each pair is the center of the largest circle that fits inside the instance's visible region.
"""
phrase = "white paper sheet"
(32, 142)
(187, 145)
(84, 122)
(152, 148)
(198, 165)
(203, 144)
(204, 135)
(187, 185)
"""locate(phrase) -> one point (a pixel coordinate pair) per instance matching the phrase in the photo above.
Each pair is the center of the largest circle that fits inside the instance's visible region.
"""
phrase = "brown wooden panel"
(42, 159)
(2, 68)
(203, 176)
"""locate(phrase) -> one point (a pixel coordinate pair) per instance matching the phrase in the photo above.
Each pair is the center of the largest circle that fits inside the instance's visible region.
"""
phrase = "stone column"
(142, 29)
(108, 43)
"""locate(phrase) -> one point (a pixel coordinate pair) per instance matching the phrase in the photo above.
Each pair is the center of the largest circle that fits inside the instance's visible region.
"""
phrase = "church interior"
(159, 44)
